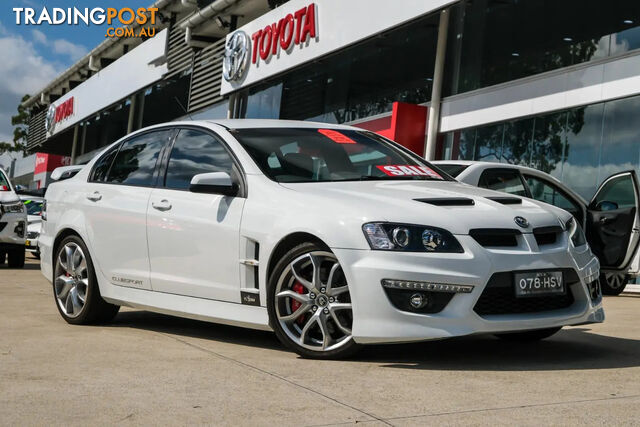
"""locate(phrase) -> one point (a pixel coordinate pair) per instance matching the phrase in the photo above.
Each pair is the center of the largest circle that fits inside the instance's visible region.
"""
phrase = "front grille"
(499, 297)
(547, 235)
(495, 237)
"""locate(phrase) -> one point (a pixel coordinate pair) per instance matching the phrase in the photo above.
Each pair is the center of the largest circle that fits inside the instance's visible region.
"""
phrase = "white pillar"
(433, 123)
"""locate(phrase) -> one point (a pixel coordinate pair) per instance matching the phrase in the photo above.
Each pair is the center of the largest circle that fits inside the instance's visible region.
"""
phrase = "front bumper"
(377, 320)
(13, 228)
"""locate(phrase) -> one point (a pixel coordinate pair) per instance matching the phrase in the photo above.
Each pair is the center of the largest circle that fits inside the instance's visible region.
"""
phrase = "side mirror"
(214, 183)
(606, 206)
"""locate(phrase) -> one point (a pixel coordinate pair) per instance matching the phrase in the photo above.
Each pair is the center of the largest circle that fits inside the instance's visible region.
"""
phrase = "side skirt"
(189, 307)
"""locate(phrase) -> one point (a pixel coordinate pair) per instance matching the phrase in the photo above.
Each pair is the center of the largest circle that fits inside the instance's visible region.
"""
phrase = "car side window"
(545, 191)
(101, 168)
(136, 160)
(505, 180)
(195, 152)
(619, 191)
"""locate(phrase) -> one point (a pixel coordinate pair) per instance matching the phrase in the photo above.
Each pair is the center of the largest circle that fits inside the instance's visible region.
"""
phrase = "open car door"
(612, 227)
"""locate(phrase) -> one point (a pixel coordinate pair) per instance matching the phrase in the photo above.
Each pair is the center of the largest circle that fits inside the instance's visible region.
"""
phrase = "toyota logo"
(522, 222)
(50, 120)
(236, 56)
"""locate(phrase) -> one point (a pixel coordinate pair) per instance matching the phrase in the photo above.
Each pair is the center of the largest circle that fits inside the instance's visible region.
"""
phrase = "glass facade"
(496, 41)
(581, 146)
(360, 81)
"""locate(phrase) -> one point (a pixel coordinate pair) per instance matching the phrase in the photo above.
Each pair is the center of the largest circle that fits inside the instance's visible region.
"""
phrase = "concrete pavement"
(147, 368)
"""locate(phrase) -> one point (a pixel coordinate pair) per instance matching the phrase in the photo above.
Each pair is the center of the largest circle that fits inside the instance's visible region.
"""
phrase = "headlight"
(410, 238)
(575, 233)
(17, 207)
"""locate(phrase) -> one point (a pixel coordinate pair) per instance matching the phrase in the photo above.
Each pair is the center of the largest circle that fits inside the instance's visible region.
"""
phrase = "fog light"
(418, 301)
(19, 230)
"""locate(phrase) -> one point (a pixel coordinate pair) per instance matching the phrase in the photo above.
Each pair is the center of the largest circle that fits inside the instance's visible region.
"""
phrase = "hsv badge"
(522, 222)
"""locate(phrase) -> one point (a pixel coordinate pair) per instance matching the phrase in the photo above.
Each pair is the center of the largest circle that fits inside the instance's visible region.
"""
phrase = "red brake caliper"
(297, 287)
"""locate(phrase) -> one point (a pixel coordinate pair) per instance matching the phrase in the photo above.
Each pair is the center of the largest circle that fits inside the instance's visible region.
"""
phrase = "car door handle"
(162, 205)
(95, 196)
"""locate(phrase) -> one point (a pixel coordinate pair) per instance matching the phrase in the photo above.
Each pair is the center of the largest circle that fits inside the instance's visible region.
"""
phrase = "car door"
(545, 190)
(612, 221)
(194, 237)
(115, 206)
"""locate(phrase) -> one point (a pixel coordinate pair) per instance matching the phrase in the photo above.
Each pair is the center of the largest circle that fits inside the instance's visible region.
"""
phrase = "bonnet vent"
(506, 200)
(449, 201)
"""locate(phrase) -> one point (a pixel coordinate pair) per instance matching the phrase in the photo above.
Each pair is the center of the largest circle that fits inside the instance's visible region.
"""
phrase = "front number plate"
(539, 283)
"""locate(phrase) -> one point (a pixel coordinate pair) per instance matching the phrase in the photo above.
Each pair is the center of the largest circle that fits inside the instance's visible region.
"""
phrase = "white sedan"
(611, 219)
(329, 235)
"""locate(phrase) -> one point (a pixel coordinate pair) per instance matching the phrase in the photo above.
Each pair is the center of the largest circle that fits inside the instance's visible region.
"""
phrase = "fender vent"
(506, 200)
(449, 201)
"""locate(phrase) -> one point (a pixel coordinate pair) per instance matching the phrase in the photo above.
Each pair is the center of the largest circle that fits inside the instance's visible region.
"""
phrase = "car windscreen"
(452, 169)
(33, 207)
(4, 184)
(327, 155)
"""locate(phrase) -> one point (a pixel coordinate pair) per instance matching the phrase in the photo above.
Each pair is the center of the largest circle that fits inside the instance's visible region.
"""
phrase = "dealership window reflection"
(495, 41)
(581, 146)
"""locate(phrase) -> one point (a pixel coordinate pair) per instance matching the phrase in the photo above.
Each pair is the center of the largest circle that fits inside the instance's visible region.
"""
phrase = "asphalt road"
(147, 368)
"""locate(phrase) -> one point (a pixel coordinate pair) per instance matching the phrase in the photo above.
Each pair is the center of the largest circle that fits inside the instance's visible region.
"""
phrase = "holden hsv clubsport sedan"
(331, 236)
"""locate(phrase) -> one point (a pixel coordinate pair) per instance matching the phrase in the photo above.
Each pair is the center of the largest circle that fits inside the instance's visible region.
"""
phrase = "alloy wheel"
(71, 280)
(616, 280)
(313, 304)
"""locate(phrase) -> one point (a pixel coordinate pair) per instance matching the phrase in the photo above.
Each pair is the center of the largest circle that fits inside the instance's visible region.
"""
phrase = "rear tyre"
(613, 283)
(528, 336)
(75, 286)
(309, 304)
(16, 257)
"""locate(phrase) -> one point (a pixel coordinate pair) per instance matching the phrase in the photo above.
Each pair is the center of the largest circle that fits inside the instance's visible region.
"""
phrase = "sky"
(33, 55)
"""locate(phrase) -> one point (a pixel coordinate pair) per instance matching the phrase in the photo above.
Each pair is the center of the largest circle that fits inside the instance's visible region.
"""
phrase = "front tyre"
(309, 304)
(528, 336)
(75, 286)
(16, 257)
(613, 283)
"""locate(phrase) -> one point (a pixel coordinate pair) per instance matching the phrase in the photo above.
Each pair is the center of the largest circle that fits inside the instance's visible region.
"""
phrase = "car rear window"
(453, 169)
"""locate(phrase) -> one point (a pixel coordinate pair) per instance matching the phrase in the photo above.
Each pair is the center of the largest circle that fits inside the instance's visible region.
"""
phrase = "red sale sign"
(408, 170)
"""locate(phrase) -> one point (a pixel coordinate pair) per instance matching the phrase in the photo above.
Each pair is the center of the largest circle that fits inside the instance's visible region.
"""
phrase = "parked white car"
(330, 235)
(13, 222)
(611, 219)
(33, 205)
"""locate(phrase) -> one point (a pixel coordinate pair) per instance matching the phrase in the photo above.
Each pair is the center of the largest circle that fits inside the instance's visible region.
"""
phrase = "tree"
(21, 125)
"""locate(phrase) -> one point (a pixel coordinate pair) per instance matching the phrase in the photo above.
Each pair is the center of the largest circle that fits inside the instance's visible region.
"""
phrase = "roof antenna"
(182, 106)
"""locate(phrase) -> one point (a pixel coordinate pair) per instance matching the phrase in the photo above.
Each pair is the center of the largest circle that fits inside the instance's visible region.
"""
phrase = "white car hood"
(394, 201)
(8, 197)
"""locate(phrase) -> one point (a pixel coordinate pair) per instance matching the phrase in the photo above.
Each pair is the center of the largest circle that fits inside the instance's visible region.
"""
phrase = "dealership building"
(554, 85)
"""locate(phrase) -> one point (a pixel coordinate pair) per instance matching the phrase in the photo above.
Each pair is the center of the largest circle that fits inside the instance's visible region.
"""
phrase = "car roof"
(269, 123)
(33, 198)
(491, 164)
